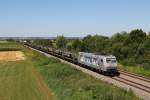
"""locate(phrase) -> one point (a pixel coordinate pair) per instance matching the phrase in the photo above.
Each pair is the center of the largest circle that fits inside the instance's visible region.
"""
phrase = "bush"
(128, 62)
(146, 66)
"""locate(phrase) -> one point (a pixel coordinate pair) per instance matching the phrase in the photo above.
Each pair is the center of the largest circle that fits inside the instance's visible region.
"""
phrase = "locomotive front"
(110, 64)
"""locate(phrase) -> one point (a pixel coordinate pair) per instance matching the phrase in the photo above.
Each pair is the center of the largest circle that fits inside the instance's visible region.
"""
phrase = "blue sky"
(72, 17)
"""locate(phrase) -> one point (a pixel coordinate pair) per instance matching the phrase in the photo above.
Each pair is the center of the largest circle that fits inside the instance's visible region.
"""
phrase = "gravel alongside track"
(124, 81)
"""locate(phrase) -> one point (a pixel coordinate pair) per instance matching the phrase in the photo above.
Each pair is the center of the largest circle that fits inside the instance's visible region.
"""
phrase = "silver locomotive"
(103, 63)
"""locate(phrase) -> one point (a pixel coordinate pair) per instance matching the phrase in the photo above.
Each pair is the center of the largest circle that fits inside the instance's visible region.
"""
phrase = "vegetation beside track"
(19, 80)
(135, 69)
(132, 49)
(70, 84)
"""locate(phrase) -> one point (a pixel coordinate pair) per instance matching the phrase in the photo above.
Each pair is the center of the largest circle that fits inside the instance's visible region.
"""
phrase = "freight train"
(104, 64)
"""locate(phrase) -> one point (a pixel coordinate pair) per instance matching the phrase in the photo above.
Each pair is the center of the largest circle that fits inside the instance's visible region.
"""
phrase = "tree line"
(130, 48)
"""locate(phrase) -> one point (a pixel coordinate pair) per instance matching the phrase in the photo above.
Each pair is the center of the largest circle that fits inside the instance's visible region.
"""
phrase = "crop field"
(11, 56)
(40, 78)
(19, 80)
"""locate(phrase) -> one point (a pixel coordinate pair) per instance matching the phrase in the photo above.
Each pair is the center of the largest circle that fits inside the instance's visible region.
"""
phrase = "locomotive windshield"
(111, 60)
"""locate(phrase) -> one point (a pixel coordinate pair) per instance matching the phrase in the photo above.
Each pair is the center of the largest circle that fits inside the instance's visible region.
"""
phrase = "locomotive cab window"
(110, 60)
(102, 60)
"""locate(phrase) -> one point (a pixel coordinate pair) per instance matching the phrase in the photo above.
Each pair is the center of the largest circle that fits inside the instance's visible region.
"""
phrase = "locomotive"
(106, 64)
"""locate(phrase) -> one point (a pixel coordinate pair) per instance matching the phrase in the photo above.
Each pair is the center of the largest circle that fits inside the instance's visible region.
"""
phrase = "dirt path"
(42, 85)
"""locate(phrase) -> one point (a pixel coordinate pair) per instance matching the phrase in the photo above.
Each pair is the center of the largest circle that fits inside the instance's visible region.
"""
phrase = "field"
(11, 56)
(4, 41)
(40, 78)
(19, 80)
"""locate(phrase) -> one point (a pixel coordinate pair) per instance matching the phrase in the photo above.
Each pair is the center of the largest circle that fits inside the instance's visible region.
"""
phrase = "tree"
(46, 42)
(87, 41)
(119, 37)
(43, 42)
(69, 46)
(76, 44)
(137, 36)
(61, 42)
(96, 43)
(144, 51)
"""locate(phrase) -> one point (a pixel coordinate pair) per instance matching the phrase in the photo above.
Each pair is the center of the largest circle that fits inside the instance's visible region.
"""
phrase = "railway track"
(133, 83)
(144, 78)
(133, 80)
(137, 81)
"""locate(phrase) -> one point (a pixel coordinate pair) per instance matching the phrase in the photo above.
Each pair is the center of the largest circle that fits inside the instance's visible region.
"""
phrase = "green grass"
(19, 80)
(135, 69)
(10, 46)
(70, 84)
(3, 41)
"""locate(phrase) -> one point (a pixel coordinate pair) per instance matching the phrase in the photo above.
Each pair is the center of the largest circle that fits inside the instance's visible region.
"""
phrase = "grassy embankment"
(70, 84)
(19, 80)
(135, 69)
